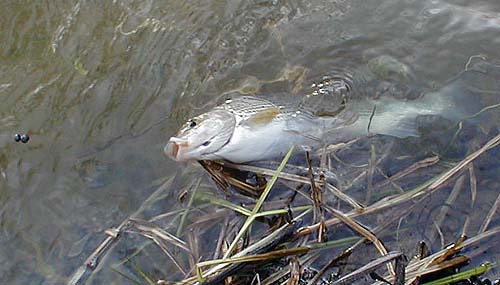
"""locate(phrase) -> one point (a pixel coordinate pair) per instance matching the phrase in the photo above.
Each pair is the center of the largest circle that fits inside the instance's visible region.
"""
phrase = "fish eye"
(206, 143)
(192, 123)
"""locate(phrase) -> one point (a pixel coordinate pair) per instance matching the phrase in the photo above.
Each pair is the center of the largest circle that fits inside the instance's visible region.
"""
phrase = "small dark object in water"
(21, 138)
(25, 138)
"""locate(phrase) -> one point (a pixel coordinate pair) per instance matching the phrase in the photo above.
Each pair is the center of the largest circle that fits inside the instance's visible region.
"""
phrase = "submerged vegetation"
(292, 225)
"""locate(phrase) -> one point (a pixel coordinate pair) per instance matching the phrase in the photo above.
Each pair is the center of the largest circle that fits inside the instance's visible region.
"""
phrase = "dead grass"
(295, 221)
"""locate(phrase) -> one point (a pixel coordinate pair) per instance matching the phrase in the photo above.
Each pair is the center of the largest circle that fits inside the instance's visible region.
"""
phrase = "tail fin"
(462, 96)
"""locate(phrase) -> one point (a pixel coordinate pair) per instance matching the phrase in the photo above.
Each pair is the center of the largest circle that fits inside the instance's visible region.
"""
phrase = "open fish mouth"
(171, 149)
(176, 149)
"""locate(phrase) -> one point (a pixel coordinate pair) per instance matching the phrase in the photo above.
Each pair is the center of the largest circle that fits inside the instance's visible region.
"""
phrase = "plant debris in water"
(354, 213)
(299, 228)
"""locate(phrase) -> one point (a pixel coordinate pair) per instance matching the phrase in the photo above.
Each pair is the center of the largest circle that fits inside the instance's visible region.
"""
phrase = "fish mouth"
(176, 149)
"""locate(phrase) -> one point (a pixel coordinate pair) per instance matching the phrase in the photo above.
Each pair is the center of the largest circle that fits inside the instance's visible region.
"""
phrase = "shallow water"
(100, 87)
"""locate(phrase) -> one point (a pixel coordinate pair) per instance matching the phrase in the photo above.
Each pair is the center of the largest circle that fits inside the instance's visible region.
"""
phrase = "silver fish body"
(243, 129)
(251, 128)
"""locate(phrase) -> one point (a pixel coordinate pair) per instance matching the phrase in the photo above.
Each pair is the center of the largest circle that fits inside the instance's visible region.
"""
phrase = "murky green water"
(101, 85)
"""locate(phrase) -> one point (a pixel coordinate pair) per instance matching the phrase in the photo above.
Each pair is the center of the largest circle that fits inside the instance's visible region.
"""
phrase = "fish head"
(201, 136)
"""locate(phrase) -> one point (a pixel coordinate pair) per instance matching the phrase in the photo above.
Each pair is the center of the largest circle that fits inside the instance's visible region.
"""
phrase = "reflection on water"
(100, 86)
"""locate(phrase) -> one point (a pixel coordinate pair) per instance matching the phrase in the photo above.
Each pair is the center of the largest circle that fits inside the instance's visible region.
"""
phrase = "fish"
(253, 128)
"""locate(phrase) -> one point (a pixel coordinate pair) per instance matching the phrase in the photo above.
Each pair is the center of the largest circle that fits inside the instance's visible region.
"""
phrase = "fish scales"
(251, 128)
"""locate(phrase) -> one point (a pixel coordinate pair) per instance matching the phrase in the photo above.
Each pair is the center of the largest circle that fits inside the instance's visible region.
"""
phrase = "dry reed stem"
(450, 251)
(275, 254)
(93, 262)
(258, 205)
(430, 187)
(255, 247)
(196, 185)
(369, 267)
(438, 220)
(294, 271)
(317, 198)
(452, 263)
(147, 228)
(216, 176)
(220, 240)
(304, 261)
(473, 184)
(490, 215)
(473, 192)
(388, 180)
(416, 268)
(363, 231)
(372, 163)
(335, 261)
(344, 197)
(300, 179)
(426, 162)
(424, 190)
(268, 172)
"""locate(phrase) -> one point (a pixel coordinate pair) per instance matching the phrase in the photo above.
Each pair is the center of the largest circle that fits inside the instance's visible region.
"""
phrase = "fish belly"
(262, 143)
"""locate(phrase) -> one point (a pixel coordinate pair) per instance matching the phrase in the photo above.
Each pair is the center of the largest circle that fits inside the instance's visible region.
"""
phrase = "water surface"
(101, 85)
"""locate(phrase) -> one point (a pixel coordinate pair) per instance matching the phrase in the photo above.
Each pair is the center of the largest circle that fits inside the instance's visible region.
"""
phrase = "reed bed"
(251, 224)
